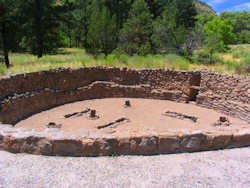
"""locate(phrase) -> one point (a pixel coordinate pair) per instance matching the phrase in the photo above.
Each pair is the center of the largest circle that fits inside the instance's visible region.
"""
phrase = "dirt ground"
(145, 116)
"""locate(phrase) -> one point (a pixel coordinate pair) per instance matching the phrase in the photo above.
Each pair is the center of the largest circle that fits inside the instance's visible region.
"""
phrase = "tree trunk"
(39, 32)
(5, 47)
(211, 57)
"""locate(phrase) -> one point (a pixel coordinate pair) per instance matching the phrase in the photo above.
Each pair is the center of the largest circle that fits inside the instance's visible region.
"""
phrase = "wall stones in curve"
(226, 93)
(49, 143)
(25, 94)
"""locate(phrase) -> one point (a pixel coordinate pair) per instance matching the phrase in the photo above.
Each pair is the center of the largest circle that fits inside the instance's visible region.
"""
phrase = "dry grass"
(230, 62)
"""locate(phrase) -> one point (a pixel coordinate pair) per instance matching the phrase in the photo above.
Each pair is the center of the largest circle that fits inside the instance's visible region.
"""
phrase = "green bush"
(243, 67)
(232, 65)
(203, 57)
(241, 53)
(2, 69)
(123, 58)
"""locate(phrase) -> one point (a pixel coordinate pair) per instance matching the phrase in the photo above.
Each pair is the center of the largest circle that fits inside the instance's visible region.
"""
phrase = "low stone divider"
(53, 142)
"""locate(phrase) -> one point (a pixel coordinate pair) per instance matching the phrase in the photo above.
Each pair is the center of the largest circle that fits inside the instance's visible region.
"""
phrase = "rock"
(219, 140)
(67, 147)
(191, 143)
(241, 138)
(148, 145)
(223, 119)
(169, 144)
(53, 125)
(196, 141)
(127, 103)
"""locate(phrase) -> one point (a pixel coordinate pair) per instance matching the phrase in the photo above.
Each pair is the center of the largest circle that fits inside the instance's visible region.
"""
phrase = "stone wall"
(25, 94)
(225, 93)
(55, 143)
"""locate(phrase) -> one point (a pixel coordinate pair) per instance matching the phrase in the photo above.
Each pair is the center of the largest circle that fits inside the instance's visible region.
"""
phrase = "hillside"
(204, 8)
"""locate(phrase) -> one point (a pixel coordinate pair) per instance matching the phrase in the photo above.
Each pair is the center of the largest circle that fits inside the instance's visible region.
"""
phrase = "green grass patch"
(75, 58)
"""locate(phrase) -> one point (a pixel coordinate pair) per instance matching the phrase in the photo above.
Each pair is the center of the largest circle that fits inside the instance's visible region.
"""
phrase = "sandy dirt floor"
(143, 117)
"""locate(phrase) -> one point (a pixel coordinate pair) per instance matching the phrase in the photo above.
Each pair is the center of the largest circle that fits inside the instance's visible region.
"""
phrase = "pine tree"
(135, 37)
(101, 36)
(186, 14)
(41, 25)
(8, 28)
(80, 21)
(175, 27)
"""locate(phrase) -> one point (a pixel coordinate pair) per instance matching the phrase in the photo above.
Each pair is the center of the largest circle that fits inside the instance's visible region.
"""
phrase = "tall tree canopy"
(42, 25)
(173, 28)
(102, 26)
(101, 35)
(135, 37)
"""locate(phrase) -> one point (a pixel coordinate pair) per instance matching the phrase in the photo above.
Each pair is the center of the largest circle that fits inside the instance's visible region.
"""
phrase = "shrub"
(2, 69)
(241, 53)
(203, 57)
(232, 65)
(243, 66)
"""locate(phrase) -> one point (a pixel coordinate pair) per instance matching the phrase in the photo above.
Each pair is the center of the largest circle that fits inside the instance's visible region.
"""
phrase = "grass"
(236, 61)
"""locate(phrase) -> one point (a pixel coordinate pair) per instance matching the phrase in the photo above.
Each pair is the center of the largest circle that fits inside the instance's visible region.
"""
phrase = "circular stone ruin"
(111, 111)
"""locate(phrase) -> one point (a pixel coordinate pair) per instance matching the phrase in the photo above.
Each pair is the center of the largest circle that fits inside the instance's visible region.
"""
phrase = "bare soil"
(145, 116)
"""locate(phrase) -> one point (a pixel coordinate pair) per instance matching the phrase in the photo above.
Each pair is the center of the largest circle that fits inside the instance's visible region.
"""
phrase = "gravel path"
(228, 168)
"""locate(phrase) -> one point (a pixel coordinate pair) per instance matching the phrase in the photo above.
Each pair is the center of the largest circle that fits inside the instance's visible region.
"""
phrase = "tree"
(101, 36)
(202, 19)
(186, 14)
(41, 23)
(156, 7)
(174, 31)
(240, 22)
(135, 36)
(120, 9)
(218, 35)
(8, 28)
(244, 37)
(78, 27)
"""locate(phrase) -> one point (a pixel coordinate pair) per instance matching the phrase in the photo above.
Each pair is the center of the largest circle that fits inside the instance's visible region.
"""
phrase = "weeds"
(75, 58)
(2, 69)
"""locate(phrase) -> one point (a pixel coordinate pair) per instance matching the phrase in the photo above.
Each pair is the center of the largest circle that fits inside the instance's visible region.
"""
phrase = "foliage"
(241, 24)
(41, 21)
(136, 32)
(173, 33)
(114, 30)
(8, 26)
(186, 13)
(218, 36)
(75, 58)
(101, 35)
(244, 37)
(203, 57)
(204, 18)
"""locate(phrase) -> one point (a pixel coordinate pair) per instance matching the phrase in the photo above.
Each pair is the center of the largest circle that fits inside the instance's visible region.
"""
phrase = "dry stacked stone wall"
(225, 93)
(25, 94)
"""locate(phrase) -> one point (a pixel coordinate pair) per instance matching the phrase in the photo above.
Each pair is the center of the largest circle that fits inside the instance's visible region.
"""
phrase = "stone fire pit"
(112, 111)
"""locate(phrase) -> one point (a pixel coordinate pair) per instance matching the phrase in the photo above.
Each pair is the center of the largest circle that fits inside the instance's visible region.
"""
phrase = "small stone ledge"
(56, 143)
